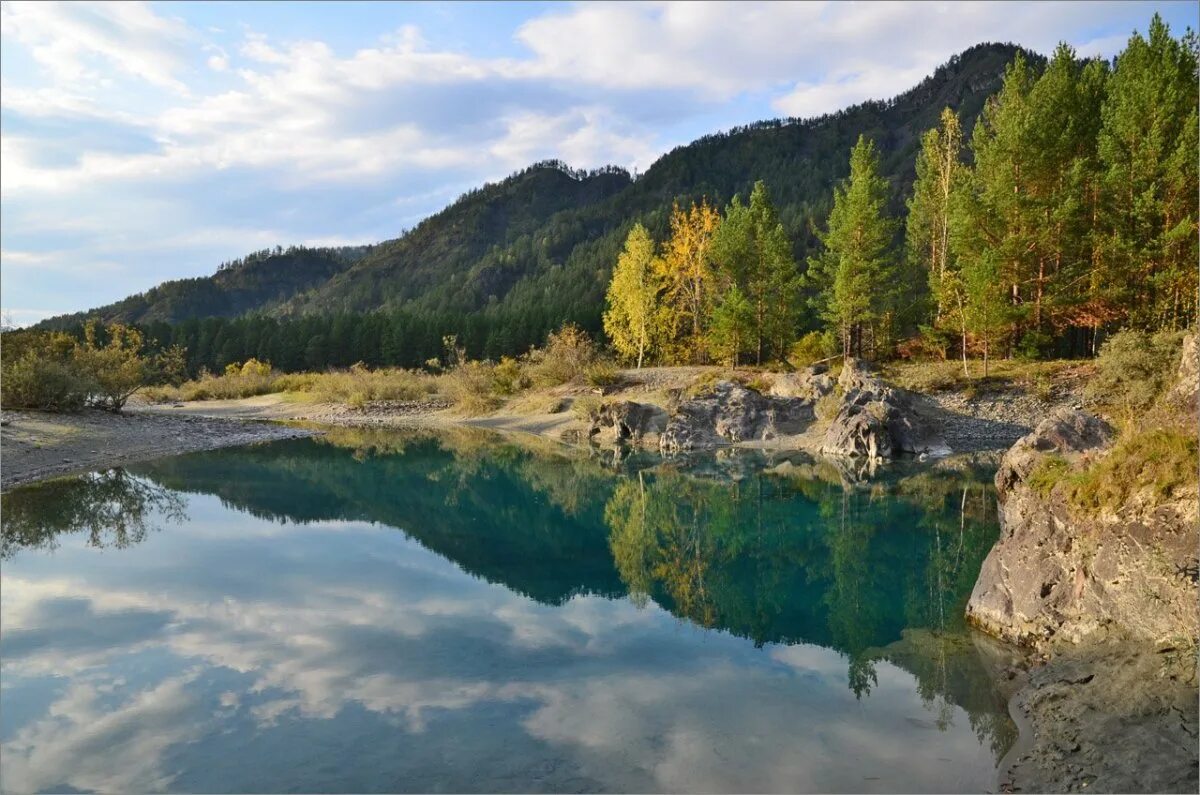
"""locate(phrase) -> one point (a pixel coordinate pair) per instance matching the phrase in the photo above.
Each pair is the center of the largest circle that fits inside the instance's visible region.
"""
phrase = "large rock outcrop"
(1058, 575)
(811, 383)
(876, 420)
(732, 414)
(625, 422)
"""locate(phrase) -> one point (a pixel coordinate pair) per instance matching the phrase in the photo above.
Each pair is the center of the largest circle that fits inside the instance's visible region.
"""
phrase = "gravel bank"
(38, 445)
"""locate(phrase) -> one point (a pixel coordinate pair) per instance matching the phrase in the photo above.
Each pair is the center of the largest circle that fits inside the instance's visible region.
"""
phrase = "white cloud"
(74, 40)
(196, 116)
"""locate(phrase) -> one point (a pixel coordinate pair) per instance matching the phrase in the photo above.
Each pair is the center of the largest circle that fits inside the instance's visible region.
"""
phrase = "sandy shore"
(38, 445)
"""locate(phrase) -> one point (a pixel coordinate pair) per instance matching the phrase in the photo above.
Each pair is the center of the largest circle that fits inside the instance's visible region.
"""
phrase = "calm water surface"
(381, 611)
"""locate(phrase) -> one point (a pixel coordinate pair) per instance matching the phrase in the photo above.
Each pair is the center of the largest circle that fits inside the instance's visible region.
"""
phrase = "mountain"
(542, 242)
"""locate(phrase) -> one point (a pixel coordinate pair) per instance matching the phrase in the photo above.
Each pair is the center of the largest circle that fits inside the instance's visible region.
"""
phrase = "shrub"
(564, 358)
(41, 382)
(930, 343)
(601, 373)
(812, 347)
(509, 376)
(759, 383)
(829, 405)
(1034, 345)
(117, 368)
(471, 386)
(702, 384)
(1133, 367)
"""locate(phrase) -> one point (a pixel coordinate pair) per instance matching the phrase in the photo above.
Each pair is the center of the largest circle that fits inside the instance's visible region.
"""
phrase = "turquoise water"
(382, 611)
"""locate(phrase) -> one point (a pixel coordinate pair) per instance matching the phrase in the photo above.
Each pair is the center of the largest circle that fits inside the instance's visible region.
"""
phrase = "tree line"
(1070, 212)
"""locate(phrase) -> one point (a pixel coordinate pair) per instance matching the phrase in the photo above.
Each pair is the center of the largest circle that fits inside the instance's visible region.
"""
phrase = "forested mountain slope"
(540, 244)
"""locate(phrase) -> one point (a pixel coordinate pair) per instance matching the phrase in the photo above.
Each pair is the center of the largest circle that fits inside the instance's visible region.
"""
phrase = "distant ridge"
(543, 240)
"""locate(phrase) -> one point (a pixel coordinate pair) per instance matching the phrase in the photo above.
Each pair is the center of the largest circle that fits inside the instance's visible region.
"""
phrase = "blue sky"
(144, 142)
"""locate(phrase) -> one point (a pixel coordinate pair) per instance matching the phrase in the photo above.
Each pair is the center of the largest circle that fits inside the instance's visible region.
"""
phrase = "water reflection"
(783, 631)
(113, 508)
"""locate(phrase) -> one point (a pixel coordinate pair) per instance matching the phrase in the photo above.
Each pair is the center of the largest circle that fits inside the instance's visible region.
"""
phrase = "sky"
(141, 142)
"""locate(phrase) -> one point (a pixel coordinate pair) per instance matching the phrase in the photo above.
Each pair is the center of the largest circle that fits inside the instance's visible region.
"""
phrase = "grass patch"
(942, 376)
(356, 386)
(1158, 462)
(1048, 473)
(584, 406)
(828, 406)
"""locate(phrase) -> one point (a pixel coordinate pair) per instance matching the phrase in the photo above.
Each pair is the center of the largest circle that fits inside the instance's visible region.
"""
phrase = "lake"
(410, 611)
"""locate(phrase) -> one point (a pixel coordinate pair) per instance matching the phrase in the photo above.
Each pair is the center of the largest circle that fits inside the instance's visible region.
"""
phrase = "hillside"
(540, 243)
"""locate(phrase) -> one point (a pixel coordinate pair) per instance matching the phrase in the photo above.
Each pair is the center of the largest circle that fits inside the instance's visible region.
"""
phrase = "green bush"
(509, 376)
(812, 347)
(41, 382)
(1133, 368)
(601, 373)
(1034, 345)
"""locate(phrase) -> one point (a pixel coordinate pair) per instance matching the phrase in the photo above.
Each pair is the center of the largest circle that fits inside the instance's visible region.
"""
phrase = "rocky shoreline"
(1107, 603)
(40, 445)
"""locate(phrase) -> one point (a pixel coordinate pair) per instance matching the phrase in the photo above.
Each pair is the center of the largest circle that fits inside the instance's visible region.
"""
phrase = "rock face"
(878, 421)
(1187, 387)
(732, 413)
(811, 383)
(1056, 576)
(626, 422)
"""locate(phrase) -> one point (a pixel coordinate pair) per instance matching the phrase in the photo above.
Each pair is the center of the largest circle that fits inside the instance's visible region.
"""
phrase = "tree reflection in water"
(806, 557)
(113, 507)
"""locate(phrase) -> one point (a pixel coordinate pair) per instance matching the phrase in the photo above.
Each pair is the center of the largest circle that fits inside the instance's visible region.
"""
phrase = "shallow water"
(382, 611)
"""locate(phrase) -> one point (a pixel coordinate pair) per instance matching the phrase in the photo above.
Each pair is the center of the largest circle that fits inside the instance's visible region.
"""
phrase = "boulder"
(1067, 432)
(729, 414)
(876, 420)
(1057, 575)
(626, 422)
(860, 429)
(811, 383)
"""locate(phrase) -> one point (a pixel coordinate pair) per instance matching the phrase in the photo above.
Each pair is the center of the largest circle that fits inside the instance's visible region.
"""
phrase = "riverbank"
(971, 416)
(37, 445)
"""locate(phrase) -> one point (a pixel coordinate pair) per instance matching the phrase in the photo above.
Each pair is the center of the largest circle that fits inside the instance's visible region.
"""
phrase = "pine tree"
(634, 317)
(1005, 214)
(733, 326)
(1148, 147)
(855, 271)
